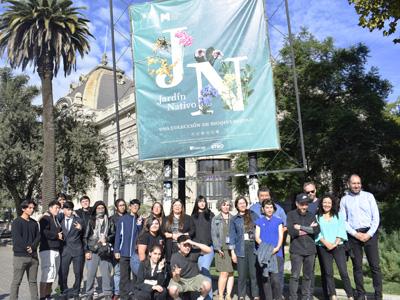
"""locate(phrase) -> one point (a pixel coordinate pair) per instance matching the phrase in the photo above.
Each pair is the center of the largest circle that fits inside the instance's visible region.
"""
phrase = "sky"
(323, 18)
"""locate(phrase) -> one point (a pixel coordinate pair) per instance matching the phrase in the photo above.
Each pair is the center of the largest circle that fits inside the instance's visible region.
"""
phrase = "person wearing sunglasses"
(311, 191)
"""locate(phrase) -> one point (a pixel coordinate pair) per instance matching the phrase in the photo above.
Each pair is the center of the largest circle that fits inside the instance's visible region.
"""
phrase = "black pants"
(272, 284)
(326, 260)
(77, 262)
(147, 295)
(126, 283)
(246, 267)
(298, 261)
(372, 253)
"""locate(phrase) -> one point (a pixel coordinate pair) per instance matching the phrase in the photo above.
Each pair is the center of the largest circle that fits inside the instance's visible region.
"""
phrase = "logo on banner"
(228, 80)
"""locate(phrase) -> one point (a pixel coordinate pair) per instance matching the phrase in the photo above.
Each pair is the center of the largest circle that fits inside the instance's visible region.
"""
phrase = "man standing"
(186, 276)
(25, 238)
(127, 231)
(263, 194)
(302, 227)
(311, 191)
(119, 211)
(84, 212)
(72, 250)
(362, 221)
(50, 244)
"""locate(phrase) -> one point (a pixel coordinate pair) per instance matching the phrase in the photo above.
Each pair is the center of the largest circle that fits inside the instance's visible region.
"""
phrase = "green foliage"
(346, 128)
(81, 153)
(20, 136)
(389, 248)
(378, 14)
(31, 30)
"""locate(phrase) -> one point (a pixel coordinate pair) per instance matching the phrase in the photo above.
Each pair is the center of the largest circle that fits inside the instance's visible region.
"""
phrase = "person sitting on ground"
(151, 277)
(185, 271)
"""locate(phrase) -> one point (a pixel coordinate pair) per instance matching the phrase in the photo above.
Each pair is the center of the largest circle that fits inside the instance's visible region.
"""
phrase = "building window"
(214, 181)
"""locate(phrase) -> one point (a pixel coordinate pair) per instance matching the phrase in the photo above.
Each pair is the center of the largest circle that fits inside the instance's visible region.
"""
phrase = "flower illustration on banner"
(210, 54)
(184, 38)
(157, 64)
(207, 93)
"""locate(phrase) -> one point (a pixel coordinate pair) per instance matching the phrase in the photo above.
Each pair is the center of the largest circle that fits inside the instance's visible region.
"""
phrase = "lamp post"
(115, 185)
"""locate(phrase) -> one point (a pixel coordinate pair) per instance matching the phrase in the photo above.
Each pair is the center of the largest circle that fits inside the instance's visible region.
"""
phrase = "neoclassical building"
(94, 94)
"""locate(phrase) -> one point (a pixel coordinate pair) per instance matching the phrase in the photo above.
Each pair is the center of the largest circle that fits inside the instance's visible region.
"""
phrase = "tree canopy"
(379, 14)
(81, 152)
(346, 127)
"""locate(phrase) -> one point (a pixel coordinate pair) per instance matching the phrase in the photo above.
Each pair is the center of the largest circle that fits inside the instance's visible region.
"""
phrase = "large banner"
(203, 78)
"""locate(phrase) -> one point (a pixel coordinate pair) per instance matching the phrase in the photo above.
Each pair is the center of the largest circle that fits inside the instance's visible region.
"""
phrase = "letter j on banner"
(203, 78)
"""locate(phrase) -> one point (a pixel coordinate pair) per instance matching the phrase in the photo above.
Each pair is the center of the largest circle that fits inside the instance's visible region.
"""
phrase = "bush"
(389, 248)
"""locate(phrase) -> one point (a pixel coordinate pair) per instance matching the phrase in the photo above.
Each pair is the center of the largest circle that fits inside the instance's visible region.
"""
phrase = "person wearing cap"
(303, 228)
(127, 231)
(362, 221)
(186, 276)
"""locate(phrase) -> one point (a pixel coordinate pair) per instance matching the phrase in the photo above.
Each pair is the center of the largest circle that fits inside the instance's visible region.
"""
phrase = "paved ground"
(6, 271)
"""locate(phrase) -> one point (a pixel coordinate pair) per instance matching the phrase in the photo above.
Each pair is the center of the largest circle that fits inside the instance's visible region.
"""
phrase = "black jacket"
(301, 244)
(25, 233)
(72, 243)
(49, 229)
(144, 273)
(188, 227)
(90, 242)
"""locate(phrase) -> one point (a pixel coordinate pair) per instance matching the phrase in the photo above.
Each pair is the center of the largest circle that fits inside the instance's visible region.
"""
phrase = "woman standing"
(242, 245)
(202, 217)
(151, 277)
(269, 235)
(176, 224)
(157, 211)
(149, 237)
(330, 244)
(220, 239)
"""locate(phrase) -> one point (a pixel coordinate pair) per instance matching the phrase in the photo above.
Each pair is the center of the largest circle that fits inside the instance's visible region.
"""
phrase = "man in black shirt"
(185, 271)
(302, 227)
(25, 238)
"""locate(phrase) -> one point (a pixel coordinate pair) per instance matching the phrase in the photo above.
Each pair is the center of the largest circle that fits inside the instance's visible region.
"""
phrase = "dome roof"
(96, 89)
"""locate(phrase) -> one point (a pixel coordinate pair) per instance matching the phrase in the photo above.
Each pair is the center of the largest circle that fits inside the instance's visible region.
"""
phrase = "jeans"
(204, 264)
(298, 261)
(117, 276)
(105, 271)
(246, 267)
(22, 264)
(326, 259)
(372, 253)
(272, 284)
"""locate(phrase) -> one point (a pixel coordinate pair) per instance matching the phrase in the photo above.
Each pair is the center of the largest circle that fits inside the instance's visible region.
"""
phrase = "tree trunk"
(45, 70)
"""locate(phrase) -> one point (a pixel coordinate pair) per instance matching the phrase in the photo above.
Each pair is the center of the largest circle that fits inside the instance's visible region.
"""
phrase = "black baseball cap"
(302, 198)
(134, 201)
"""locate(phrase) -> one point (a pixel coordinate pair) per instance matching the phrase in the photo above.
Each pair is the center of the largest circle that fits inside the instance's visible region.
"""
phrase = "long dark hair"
(147, 225)
(162, 209)
(147, 260)
(170, 219)
(248, 222)
(207, 211)
(335, 206)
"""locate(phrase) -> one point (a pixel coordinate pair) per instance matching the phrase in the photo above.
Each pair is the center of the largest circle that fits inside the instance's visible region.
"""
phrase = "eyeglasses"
(310, 192)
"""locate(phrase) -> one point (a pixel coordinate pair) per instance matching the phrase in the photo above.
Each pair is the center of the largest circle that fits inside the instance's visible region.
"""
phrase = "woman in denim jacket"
(242, 245)
(220, 238)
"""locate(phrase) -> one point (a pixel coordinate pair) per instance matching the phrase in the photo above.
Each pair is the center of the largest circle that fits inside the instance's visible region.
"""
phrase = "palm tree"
(44, 33)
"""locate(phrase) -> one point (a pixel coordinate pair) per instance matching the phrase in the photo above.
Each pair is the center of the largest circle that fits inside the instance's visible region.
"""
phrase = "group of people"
(170, 256)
